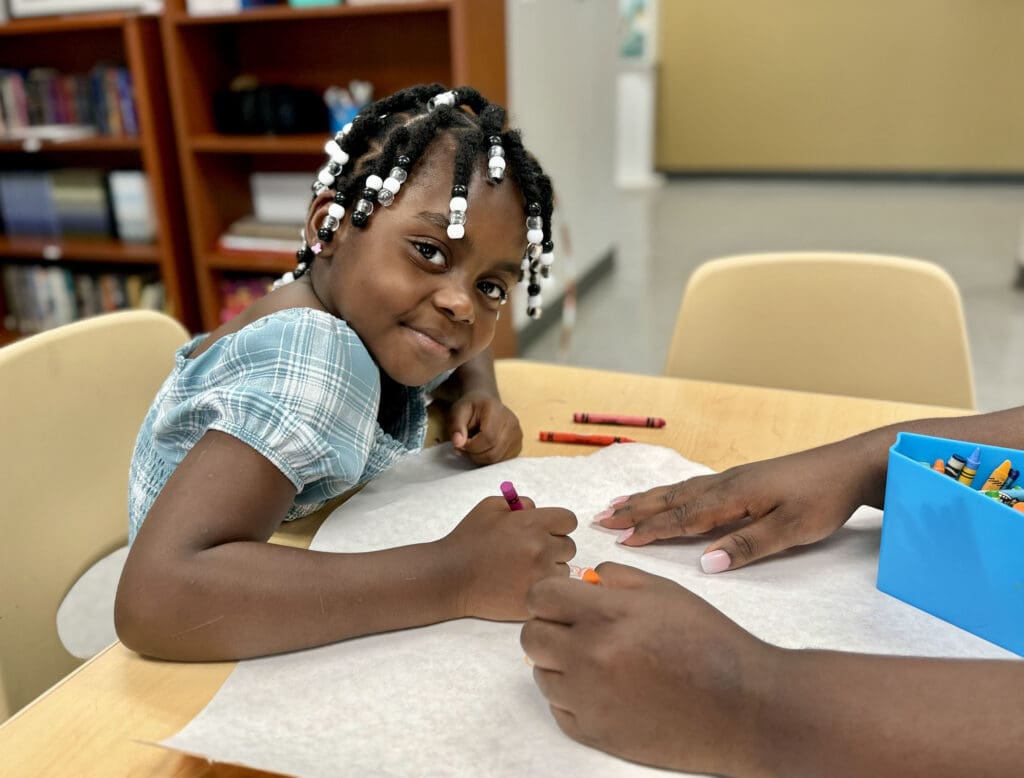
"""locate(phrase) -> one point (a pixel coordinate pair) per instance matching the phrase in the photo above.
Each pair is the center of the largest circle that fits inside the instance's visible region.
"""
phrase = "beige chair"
(71, 403)
(854, 324)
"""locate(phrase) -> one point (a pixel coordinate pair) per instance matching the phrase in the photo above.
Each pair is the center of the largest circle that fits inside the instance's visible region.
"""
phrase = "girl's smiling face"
(421, 302)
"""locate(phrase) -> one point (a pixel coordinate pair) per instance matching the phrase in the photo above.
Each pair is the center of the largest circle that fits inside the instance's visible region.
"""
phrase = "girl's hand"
(500, 553)
(790, 501)
(484, 429)
(641, 668)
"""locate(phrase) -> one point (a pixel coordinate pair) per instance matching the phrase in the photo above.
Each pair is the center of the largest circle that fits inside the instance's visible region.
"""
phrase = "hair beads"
(370, 160)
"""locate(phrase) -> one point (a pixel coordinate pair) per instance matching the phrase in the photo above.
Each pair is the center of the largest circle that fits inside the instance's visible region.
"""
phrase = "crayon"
(616, 418)
(939, 466)
(585, 574)
(1011, 479)
(508, 491)
(997, 477)
(590, 440)
(1016, 491)
(1004, 498)
(954, 465)
(970, 468)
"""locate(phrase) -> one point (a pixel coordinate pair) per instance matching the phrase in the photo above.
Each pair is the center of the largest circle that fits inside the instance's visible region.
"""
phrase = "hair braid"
(370, 159)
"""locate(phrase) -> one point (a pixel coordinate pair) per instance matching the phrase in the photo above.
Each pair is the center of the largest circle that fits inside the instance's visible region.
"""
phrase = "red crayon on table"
(508, 491)
(590, 440)
(618, 418)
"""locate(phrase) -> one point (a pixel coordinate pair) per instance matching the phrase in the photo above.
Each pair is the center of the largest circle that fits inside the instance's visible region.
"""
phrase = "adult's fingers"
(776, 531)
(686, 509)
(546, 643)
(561, 600)
(618, 576)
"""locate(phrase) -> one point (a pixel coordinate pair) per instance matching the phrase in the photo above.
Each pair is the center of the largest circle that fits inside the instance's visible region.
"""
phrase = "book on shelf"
(43, 97)
(253, 234)
(132, 205)
(237, 293)
(280, 197)
(67, 202)
(39, 297)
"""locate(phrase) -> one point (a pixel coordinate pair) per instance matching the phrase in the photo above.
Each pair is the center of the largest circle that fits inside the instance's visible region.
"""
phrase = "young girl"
(426, 214)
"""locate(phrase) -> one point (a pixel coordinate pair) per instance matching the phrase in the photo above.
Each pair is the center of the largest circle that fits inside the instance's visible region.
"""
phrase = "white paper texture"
(458, 698)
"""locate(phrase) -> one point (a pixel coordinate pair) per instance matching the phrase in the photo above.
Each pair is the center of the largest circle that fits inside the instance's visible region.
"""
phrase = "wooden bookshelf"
(392, 45)
(75, 44)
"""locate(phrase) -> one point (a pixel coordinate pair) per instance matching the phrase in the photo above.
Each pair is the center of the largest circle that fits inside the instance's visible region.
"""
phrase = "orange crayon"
(939, 466)
(618, 418)
(589, 440)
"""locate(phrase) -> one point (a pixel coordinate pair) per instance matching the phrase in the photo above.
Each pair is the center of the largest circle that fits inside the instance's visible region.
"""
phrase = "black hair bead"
(533, 289)
(403, 161)
(325, 234)
(339, 198)
(548, 246)
(359, 219)
(494, 140)
(459, 190)
(369, 194)
(534, 209)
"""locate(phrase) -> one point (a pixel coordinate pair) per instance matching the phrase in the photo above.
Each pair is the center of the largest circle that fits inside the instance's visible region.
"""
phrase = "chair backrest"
(72, 400)
(862, 325)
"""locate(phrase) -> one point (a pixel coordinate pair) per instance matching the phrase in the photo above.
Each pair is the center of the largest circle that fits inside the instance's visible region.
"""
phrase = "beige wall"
(847, 85)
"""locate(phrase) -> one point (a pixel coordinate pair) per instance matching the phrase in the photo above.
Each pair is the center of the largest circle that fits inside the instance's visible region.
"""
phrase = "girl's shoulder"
(295, 339)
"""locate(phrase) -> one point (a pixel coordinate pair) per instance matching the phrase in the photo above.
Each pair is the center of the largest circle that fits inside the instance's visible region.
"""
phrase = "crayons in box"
(946, 547)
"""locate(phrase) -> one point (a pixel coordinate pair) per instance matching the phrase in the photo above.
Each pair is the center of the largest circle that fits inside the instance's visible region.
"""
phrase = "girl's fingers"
(546, 643)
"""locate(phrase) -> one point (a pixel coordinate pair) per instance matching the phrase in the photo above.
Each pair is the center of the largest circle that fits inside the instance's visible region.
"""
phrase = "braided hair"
(370, 158)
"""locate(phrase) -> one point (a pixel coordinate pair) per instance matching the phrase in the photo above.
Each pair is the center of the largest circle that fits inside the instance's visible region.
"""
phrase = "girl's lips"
(430, 342)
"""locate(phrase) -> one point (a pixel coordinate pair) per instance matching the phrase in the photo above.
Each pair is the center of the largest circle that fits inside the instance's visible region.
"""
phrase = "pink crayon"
(508, 491)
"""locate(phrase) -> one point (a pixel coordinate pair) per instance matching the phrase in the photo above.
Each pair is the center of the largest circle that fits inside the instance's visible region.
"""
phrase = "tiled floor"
(974, 230)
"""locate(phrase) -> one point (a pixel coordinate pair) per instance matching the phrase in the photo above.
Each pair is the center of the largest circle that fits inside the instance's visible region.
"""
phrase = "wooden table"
(98, 720)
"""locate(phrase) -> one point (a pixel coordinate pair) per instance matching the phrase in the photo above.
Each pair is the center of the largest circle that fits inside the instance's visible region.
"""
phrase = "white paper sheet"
(458, 698)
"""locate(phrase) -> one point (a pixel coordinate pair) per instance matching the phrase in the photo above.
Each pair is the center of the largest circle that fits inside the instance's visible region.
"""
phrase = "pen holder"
(946, 547)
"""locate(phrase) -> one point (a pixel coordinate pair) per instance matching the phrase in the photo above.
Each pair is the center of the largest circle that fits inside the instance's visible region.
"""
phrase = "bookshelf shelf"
(114, 63)
(271, 262)
(51, 249)
(95, 144)
(391, 45)
(287, 13)
(213, 143)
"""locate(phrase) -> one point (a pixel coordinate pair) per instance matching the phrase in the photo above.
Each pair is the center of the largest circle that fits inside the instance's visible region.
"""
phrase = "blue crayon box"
(946, 547)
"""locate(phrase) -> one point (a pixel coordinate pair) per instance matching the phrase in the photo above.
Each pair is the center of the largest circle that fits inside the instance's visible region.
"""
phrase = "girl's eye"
(431, 253)
(492, 291)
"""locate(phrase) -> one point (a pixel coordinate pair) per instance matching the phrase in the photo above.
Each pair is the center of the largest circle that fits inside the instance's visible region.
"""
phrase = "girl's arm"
(202, 583)
(478, 422)
(642, 668)
(793, 500)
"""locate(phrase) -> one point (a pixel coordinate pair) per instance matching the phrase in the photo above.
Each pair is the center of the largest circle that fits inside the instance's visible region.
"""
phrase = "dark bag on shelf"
(270, 110)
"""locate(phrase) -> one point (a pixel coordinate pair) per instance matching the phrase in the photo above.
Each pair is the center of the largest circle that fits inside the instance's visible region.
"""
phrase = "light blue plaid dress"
(299, 387)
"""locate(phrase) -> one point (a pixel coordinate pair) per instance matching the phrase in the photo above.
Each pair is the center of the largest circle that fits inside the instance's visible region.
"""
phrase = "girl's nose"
(455, 302)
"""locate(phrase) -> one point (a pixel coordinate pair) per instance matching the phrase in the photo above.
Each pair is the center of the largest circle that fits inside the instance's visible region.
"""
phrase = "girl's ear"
(315, 218)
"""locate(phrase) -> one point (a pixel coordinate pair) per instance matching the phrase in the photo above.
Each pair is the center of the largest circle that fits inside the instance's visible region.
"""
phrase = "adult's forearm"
(842, 714)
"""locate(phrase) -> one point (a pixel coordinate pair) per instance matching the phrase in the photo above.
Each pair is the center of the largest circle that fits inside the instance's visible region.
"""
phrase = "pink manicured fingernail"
(605, 514)
(625, 535)
(618, 501)
(715, 561)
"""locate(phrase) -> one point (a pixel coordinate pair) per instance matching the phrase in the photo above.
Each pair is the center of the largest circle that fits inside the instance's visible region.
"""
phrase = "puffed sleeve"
(297, 386)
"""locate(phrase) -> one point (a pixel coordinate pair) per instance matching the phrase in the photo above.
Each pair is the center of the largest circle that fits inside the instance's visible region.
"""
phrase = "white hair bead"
(458, 204)
(374, 182)
(392, 185)
(336, 211)
(535, 236)
(496, 162)
(456, 231)
(325, 177)
(336, 152)
(445, 98)
(547, 258)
